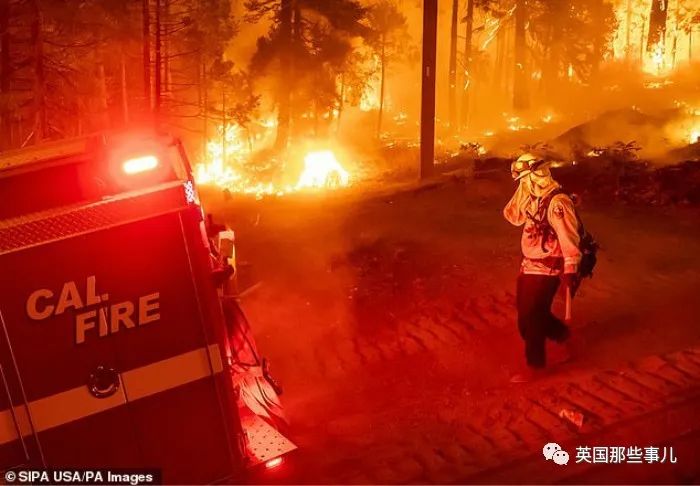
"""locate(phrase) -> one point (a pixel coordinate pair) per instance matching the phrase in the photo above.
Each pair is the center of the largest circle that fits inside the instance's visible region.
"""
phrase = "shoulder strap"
(581, 228)
(547, 201)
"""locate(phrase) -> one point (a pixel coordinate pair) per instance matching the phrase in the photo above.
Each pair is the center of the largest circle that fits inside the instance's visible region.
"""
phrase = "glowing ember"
(401, 118)
(695, 135)
(268, 123)
(322, 169)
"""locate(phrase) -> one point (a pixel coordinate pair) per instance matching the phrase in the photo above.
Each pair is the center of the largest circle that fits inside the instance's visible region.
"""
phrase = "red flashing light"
(273, 463)
(140, 164)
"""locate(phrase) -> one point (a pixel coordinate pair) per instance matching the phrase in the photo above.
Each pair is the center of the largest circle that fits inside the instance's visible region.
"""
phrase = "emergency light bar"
(140, 164)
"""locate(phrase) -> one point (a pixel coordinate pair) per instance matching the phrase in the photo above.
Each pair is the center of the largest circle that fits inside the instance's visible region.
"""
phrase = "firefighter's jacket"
(550, 240)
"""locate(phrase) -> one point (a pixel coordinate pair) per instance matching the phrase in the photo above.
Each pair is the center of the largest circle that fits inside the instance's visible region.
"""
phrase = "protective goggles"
(521, 168)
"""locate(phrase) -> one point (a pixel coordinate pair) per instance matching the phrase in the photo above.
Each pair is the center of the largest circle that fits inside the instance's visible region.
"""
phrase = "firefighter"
(551, 254)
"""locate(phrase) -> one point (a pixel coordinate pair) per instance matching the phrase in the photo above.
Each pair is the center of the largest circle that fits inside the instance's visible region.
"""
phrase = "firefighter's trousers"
(536, 322)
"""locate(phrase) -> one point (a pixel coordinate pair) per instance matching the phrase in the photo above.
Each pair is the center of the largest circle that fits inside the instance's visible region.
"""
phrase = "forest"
(250, 81)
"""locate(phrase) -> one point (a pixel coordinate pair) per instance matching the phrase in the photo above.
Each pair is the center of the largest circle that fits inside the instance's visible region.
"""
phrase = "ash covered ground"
(389, 318)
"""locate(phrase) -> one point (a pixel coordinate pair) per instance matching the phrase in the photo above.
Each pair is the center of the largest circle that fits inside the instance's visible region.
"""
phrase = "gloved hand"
(222, 273)
(572, 281)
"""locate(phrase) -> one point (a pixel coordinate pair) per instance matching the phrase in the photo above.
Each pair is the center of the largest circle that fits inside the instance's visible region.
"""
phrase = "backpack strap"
(540, 219)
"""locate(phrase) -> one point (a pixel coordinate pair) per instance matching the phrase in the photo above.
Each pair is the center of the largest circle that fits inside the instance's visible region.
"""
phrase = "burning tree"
(657, 24)
(572, 36)
(467, 63)
(306, 49)
(389, 41)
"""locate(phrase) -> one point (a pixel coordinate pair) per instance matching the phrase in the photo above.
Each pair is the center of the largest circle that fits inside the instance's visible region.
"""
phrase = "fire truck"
(119, 344)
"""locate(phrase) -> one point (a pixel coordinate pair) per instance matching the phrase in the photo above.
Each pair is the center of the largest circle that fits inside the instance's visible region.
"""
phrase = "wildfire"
(695, 136)
(322, 170)
(229, 164)
(370, 99)
(630, 42)
(656, 62)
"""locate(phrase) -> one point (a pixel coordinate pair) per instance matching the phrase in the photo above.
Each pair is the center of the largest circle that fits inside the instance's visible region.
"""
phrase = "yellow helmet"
(525, 164)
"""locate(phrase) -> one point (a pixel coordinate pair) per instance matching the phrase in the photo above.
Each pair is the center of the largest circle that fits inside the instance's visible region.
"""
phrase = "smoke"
(591, 80)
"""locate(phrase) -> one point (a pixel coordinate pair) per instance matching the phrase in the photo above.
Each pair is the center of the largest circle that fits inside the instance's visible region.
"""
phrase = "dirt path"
(391, 321)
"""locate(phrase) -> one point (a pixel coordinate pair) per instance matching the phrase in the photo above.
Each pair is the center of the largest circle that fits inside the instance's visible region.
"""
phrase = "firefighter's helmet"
(526, 164)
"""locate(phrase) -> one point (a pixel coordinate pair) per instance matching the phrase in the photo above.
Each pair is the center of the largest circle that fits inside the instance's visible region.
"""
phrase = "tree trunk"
(341, 104)
(453, 67)
(223, 127)
(628, 30)
(657, 24)
(205, 108)
(381, 88)
(674, 50)
(427, 113)
(467, 63)
(499, 84)
(40, 116)
(102, 87)
(123, 83)
(166, 48)
(520, 96)
(283, 91)
(296, 46)
(316, 118)
(146, 18)
(641, 39)
(5, 74)
(158, 68)
(551, 71)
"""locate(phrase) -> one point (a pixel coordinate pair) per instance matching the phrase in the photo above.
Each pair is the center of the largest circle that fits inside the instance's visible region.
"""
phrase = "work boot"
(528, 374)
(558, 352)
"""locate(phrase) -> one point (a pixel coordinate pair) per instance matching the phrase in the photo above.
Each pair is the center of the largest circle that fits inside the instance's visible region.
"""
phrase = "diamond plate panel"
(40, 228)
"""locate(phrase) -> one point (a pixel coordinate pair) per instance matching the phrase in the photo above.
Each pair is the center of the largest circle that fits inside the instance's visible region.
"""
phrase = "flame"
(694, 136)
(268, 123)
(322, 169)
(400, 118)
(629, 43)
(228, 165)
(655, 62)
(370, 99)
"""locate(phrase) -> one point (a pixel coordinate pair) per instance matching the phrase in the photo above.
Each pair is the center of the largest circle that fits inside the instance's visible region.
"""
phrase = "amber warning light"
(140, 164)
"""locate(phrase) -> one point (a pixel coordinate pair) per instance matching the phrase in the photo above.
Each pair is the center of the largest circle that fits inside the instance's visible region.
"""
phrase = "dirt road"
(390, 321)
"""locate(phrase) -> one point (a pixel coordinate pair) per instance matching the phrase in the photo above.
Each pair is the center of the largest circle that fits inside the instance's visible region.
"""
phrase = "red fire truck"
(117, 347)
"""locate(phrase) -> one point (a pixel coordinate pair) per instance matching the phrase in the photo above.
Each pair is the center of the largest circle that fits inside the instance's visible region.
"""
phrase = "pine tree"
(390, 42)
(304, 51)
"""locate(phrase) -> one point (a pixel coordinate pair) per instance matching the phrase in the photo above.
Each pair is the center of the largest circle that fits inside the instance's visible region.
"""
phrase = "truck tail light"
(140, 164)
